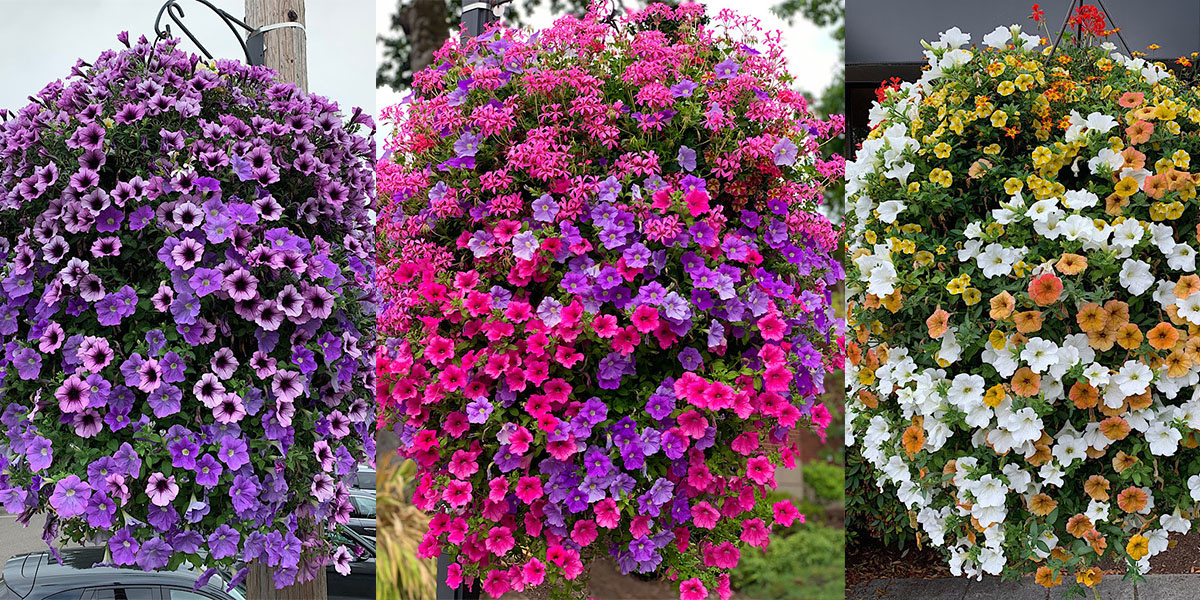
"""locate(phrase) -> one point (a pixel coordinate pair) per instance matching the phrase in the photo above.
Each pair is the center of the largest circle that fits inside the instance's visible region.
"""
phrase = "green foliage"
(808, 564)
(870, 513)
(827, 480)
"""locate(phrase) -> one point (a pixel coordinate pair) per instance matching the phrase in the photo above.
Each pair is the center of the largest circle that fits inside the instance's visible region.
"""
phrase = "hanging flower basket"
(607, 296)
(1025, 303)
(185, 272)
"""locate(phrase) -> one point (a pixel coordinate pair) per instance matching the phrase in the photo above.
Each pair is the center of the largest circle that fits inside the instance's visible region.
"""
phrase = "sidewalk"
(1156, 587)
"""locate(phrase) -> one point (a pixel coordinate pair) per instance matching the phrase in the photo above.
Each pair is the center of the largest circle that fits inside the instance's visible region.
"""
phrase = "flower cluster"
(185, 271)
(606, 296)
(1026, 305)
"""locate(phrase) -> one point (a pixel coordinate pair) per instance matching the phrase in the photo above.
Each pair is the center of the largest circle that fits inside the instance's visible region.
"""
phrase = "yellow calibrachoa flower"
(1126, 187)
(999, 118)
(972, 296)
(1012, 185)
(1181, 159)
(1041, 156)
(942, 150)
(941, 177)
(1006, 88)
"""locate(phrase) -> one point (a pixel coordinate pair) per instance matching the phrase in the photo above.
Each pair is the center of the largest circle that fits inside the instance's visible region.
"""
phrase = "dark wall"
(883, 36)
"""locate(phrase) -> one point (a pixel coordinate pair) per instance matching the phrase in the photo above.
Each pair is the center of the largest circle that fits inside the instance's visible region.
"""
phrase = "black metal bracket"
(254, 51)
(477, 14)
(1071, 9)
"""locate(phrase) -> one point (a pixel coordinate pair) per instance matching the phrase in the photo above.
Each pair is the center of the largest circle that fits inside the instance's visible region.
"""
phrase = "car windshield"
(364, 507)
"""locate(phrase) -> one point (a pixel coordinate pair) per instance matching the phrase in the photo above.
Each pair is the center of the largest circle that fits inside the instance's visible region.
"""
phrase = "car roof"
(22, 572)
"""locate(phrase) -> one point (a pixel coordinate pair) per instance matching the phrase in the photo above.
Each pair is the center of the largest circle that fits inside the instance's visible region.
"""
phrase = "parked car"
(364, 479)
(362, 519)
(360, 583)
(38, 576)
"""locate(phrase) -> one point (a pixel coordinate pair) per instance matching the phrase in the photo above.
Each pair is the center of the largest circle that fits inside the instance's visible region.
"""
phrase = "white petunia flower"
(1135, 276)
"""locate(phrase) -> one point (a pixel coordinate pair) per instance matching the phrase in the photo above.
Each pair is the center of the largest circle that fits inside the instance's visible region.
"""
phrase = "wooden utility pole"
(285, 51)
(285, 45)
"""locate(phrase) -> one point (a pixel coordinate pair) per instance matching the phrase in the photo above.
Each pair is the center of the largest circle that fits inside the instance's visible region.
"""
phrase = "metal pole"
(476, 16)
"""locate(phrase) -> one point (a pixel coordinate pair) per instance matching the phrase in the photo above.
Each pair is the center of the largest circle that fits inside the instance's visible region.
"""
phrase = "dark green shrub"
(809, 564)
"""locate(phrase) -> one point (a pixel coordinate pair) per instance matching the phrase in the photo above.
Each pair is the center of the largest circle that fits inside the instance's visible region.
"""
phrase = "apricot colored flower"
(1114, 428)
(1078, 525)
(1132, 499)
(1096, 487)
(1097, 541)
(1187, 285)
(1139, 132)
(1046, 289)
(1090, 576)
(1084, 395)
(1163, 336)
(1131, 99)
(1042, 505)
(1123, 461)
(1028, 321)
(1071, 264)
(1129, 336)
(1026, 383)
(938, 323)
(1002, 305)
(1091, 317)
(914, 439)
(1047, 577)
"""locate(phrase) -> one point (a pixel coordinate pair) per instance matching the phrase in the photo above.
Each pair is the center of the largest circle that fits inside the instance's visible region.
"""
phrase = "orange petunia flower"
(1028, 321)
(868, 399)
(1139, 132)
(1156, 186)
(1178, 364)
(1090, 576)
(914, 439)
(1046, 289)
(1138, 546)
(1132, 499)
(1123, 461)
(1163, 336)
(938, 323)
(1026, 383)
(1071, 264)
(1118, 312)
(1047, 577)
(1084, 395)
(1129, 336)
(1042, 505)
(1097, 541)
(1114, 428)
(1002, 306)
(1187, 285)
(1078, 525)
(1102, 340)
(1096, 487)
(1131, 99)
(1133, 159)
(1091, 317)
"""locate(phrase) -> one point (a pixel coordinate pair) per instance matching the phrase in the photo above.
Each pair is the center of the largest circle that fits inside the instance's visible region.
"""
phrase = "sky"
(40, 40)
(813, 56)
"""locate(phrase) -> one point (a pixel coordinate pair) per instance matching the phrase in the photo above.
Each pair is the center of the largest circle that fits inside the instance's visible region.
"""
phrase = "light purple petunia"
(70, 496)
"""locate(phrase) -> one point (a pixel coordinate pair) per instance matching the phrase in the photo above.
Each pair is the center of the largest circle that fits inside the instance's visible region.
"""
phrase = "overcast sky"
(40, 40)
(813, 56)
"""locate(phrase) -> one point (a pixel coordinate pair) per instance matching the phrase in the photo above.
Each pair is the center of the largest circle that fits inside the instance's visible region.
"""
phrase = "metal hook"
(175, 11)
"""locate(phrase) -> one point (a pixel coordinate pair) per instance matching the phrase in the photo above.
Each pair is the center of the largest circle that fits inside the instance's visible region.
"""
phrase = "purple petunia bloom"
(70, 496)
(545, 208)
(683, 89)
(183, 452)
(784, 152)
(208, 471)
(690, 359)
(100, 511)
(206, 281)
(244, 493)
(28, 362)
(154, 554)
(466, 145)
(479, 410)
(39, 453)
(123, 547)
(727, 69)
(223, 542)
(686, 158)
(234, 452)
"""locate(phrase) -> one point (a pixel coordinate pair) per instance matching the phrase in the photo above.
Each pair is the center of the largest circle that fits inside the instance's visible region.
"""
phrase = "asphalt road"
(17, 539)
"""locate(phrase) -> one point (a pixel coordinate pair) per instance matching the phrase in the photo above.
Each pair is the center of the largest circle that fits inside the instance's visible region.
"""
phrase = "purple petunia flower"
(223, 542)
(234, 452)
(208, 470)
(686, 158)
(206, 281)
(683, 89)
(28, 362)
(39, 453)
(123, 547)
(466, 145)
(784, 152)
(70, 496)
(727, 69)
